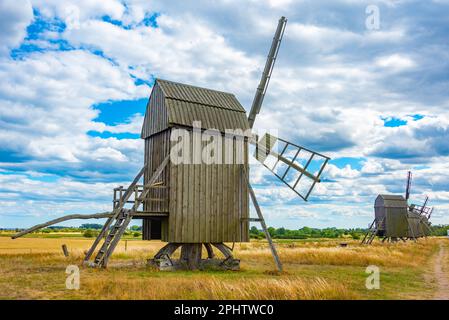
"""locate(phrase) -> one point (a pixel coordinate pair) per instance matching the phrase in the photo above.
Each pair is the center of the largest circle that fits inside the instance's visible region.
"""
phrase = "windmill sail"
(424, 205)
(266, 75)
(298, 167)
(408, 185)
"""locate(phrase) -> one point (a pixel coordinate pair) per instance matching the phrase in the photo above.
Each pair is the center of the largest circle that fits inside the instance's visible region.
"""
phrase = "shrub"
(88, 233)
(355, 236)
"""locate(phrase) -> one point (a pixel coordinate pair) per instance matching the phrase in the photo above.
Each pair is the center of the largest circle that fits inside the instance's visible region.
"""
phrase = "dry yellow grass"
(35, 268)
(212, 287)
(407, 254)
(47, 245)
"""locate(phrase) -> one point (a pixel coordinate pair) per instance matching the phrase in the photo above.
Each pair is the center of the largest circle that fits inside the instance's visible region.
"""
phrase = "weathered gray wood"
(168, 250)
(65, 250)
(210, 251)
(156, 149)
(203, 205)
(191, 255)
(98, 261)
(197, 202)
(185, 204)
(224, 250)
(128, 218)
(264, 227)
(172, 218)
(268, 69)
(58, 220)
(190, 205)
(226, 199)
(123, 218)
(152, 180)
(123, 199)
(115, 240)
(206, 202)
(368, 233)
(213, 203)
(177, 213)
(156, 118)
(285, 160)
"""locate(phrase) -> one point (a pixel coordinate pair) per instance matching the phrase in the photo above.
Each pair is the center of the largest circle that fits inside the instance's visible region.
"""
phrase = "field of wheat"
(34, 268)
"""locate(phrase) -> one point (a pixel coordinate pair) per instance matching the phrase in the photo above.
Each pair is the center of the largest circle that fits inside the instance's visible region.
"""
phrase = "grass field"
(34, 268)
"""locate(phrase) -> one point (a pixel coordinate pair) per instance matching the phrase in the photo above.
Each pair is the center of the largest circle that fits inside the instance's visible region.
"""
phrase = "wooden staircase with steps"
(120, 219)
(372, 232)
(113, 237)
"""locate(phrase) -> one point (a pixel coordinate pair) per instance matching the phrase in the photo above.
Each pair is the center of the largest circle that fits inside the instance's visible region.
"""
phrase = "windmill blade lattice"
(296, 166)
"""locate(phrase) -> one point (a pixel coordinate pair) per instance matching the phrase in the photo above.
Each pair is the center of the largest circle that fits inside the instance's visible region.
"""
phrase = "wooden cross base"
(397, 239)
(191, 257)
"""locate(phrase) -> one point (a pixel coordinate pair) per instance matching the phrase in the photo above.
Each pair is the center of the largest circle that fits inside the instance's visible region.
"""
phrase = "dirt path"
(441, 273)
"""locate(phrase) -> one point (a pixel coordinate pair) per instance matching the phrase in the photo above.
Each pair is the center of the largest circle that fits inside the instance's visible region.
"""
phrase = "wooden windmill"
(194, 203)
(396, 220)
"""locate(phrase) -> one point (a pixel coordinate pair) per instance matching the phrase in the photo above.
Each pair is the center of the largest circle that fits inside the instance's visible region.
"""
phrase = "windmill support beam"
(101, 215)
(61, 219)
(274, 252)
(190, 258)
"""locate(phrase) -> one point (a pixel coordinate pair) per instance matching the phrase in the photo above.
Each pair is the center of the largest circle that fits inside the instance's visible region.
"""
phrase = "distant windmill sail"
(424, 205)
(266, 75)
(409, 185)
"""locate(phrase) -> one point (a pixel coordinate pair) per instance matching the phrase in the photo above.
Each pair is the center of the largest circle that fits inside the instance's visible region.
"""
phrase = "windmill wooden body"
(196, 189)
(196, 202)
(203, 202)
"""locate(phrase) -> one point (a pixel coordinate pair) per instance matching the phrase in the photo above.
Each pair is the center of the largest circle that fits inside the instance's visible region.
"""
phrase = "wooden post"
(191, 254)
(167, 250)
(121, 201)
(114, 199)
(210, 251)
(64, 250)
(126, 245)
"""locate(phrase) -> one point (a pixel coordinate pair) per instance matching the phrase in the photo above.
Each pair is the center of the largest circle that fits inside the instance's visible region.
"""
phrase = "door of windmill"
(151, 229)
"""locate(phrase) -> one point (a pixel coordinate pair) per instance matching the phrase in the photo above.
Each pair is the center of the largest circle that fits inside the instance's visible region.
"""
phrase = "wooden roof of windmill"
(173, 103)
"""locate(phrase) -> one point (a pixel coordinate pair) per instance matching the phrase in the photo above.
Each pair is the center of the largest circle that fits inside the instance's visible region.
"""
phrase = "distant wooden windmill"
(396, 220)
(191, 202)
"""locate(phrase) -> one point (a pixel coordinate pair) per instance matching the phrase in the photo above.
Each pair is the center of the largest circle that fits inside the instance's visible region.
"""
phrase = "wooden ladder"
(113, 237)
(372, 232)
(120, 218)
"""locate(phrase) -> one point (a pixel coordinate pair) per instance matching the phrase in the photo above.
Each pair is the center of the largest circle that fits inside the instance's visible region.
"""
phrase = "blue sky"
(77, 76)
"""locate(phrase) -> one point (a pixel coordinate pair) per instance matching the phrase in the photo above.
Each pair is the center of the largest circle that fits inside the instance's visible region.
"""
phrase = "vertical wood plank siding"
(209, 202)
(156, 117)
(156, 149)
(146, 229)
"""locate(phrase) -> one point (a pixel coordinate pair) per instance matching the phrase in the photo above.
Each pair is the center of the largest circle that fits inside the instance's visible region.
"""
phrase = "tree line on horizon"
(91, 230)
